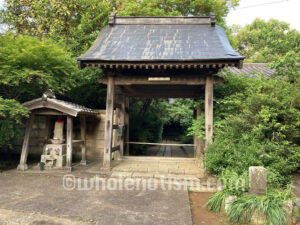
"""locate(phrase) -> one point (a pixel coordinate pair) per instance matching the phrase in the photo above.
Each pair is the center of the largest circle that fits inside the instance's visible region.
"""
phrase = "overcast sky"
(248, 10)
(283, 10)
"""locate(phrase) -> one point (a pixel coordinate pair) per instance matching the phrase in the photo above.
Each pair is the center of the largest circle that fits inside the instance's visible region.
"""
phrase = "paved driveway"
(41, 199)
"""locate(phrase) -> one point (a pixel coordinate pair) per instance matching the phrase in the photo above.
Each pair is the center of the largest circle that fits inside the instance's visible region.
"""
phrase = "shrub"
(271, 206)
(256, 125)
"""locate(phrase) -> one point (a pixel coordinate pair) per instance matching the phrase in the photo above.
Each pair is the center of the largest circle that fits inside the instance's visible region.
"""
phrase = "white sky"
(283, 10)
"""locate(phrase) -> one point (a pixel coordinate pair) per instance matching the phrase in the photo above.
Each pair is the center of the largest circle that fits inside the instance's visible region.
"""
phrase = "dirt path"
(200, 215)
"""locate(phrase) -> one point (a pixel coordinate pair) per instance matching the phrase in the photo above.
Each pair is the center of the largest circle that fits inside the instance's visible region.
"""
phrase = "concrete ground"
(39, 198)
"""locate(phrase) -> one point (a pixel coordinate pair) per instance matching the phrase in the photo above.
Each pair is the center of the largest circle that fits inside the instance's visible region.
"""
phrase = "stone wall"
(94, 136)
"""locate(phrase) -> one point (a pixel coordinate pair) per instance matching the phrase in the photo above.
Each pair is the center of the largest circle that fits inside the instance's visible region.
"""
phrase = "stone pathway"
(179, 169)
(170, 151)
(41, 199)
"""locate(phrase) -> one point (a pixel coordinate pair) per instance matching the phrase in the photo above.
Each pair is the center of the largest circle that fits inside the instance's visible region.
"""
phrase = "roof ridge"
(162, 20)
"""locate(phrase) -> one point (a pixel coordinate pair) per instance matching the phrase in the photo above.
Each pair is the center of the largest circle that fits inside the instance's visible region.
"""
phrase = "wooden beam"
(109, 123)
(158, 65)
(209, 89)
(144, 80)
(23, 160)
(159, 144)
(115, 126)
(166, 91)
(69, 142)
(115, 148)
(83, 137)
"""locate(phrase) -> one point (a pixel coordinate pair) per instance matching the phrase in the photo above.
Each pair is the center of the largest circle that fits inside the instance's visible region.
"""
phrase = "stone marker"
(257, 180)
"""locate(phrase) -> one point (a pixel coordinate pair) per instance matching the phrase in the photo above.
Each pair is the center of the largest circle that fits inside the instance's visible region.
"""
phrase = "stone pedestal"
(54, 156)
(257, 180)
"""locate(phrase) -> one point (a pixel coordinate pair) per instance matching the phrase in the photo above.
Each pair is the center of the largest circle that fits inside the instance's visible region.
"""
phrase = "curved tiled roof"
(161, 39)
(63, 106)
(252, 68)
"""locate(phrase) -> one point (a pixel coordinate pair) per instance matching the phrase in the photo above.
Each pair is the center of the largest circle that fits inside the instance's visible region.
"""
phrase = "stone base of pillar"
(67, 168)
(83, 163)
(22, 167)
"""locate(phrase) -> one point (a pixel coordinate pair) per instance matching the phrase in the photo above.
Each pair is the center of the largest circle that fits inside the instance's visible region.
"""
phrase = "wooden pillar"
(126, 122)
(109, 123)
(69, 141)
(195, 137)
(48, 129)
(116, 154)
(83, 138)
(23, 161)
(122, 123)
(198, 142)
(209, 109)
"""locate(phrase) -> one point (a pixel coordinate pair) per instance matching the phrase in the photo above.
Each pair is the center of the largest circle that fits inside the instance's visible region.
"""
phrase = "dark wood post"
(209, 88)
(122, 123)
(199, 142)
(83, 138)
(109, 123)
(69, 141)
(23, 161)
(116, 154)
(126, 122)
(48, 129)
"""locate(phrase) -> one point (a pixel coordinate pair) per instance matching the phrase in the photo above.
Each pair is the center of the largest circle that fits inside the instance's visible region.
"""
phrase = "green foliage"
(11, 113)
(29, 66)
(234, 183)
(270, 205)
(265, 41)
(76, 23)
(176, 8)
(88, 91)
(257, 124)
(217, 201)
(286, 66)
(181, 111)
(147, 118)
(198, 127)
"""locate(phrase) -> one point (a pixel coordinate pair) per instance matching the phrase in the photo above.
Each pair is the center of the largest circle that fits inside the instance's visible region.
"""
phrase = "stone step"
(192, 182)
(160, 170)
(158, 159)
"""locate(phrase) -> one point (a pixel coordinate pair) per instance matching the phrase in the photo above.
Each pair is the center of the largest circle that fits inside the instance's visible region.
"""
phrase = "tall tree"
(77, 22)
(176, 8)
(74, 22)
(28, 66)
(264, 41)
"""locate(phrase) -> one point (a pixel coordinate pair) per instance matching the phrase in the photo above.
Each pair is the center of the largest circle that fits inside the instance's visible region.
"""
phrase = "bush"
(233, 184)
(11, 114)
(257, 124)
(271, 206)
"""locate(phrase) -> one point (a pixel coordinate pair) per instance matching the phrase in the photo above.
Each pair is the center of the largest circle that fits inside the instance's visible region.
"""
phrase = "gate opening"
(157, 129)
